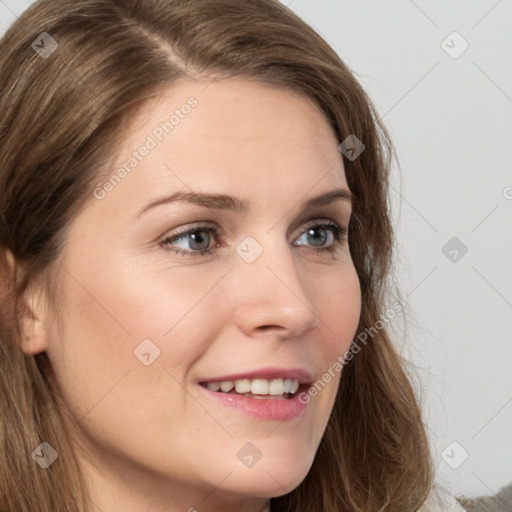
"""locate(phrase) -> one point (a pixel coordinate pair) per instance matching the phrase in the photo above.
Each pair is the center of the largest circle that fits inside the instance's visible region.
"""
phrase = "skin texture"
(150, 438)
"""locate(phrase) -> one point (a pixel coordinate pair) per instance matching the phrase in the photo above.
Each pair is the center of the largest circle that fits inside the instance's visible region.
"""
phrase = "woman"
(195, 250)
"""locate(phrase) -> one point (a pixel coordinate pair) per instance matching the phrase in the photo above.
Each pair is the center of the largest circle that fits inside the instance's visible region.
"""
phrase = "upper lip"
(299, 374)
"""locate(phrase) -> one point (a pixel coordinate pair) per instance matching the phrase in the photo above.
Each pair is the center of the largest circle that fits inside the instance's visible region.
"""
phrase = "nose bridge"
(270, 290)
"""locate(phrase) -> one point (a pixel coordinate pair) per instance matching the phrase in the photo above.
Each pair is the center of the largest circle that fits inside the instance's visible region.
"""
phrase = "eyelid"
(194, 226)
(319, 220)
(208, 225)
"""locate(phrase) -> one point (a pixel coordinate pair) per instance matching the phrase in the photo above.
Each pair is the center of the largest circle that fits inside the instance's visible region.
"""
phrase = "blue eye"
(321, 233)
(199, 239)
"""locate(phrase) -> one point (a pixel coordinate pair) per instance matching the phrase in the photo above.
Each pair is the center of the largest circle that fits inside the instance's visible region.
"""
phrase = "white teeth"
(274, 387)
(243, 385)
(259, 387)
(227, 386)
(213, 386)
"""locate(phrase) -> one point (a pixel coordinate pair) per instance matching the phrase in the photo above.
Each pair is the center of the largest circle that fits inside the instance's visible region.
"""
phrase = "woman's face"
(157, 306)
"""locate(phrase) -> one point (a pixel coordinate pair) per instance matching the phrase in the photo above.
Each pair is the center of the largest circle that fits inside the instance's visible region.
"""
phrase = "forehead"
(232, 135)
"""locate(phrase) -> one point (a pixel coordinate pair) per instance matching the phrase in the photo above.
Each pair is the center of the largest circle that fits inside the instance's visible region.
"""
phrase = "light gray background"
(451, 122)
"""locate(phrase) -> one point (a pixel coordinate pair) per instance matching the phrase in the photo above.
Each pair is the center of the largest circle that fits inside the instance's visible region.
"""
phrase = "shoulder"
(439, 500)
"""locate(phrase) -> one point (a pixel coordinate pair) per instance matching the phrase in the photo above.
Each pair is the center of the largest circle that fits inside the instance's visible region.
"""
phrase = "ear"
(32, 316)
(31, 313)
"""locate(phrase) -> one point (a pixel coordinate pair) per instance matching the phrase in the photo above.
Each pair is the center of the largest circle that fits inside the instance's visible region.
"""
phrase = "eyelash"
(339, 233)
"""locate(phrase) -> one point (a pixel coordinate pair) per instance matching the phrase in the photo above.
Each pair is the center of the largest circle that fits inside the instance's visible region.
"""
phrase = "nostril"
(267, 327)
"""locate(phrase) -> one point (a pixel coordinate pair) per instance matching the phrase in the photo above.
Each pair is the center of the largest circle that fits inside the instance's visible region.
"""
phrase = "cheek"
(114, 318)
(339, 306)
(105, 385)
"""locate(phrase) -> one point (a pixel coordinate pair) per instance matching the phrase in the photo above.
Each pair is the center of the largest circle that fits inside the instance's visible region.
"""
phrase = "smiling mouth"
(276, 389)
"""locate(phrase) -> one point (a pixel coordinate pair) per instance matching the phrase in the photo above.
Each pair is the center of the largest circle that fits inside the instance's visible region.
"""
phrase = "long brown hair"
(61, 116)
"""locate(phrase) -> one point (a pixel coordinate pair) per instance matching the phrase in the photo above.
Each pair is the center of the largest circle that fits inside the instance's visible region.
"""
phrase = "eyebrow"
(240, 205)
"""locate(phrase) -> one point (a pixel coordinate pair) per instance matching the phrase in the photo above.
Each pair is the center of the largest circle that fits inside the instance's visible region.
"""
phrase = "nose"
(272, 299)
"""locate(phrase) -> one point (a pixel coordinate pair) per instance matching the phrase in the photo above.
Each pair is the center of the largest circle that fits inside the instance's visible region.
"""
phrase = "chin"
(265, 485)
(277, 472)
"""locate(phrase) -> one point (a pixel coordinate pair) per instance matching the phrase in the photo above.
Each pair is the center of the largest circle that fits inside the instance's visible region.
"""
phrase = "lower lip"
(275, 409)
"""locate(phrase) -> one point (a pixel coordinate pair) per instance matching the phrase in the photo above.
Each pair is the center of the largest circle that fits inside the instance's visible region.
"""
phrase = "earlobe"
(32, 320)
